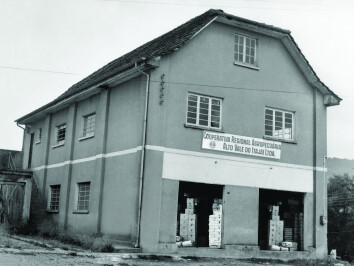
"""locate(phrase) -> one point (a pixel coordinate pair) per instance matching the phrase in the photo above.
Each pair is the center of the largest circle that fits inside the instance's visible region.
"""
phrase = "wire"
(228, 87)
(39, 70)
(212, 5)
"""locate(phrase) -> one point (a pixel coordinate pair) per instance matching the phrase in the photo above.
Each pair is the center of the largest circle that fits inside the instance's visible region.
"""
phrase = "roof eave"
(117, 79)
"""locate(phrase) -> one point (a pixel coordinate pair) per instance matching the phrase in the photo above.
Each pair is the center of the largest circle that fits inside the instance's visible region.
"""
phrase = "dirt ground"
(31, 253)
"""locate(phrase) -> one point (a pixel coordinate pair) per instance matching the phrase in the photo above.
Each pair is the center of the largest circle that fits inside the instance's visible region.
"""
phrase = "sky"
(47, 46)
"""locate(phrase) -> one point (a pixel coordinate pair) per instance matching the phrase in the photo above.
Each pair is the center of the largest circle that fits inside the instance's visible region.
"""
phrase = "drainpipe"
(23, 144)
(142, 162)
(19, 126)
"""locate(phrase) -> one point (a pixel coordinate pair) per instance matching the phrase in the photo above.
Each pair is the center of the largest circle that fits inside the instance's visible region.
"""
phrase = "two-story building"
(219, 108)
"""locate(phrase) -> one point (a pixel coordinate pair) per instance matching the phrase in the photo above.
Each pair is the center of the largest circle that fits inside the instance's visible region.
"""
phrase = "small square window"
(245, 50)
(89, 126)
(83, 196)
(61, 130)
(204, 111)
(54, 198)
(279, 124)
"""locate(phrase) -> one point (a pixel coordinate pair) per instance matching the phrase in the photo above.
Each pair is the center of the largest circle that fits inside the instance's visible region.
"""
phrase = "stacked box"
(188, 222)
(215, 224)
(275, 228)
(279, 237)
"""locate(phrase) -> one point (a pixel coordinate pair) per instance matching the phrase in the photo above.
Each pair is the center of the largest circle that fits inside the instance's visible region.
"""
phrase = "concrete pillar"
(240, 215)
(308, 221)
(69, 149)
(101, 145)
(46, 141)
(27, 201)
(151, 201)
(168, 218)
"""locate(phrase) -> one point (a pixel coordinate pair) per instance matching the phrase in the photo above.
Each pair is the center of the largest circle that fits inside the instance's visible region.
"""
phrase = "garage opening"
(281, 220)
(199, 215)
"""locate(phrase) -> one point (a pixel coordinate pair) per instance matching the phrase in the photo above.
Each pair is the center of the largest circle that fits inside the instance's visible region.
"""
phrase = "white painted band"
(178, 151)
(98, 156)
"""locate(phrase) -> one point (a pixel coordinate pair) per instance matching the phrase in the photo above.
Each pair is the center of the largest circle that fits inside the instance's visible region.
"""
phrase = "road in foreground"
(31, 259)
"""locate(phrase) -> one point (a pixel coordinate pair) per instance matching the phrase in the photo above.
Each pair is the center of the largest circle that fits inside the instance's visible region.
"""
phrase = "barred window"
(279, 124)
(54, 198)
(204, 111)
(245, 49)
(61, 130)
(83, 196)
(89, 125)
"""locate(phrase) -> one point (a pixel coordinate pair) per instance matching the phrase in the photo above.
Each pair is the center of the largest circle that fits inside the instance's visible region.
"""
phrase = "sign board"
(240, 144)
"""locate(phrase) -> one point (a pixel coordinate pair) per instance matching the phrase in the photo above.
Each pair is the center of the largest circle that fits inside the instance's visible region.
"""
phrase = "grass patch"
(49, 232)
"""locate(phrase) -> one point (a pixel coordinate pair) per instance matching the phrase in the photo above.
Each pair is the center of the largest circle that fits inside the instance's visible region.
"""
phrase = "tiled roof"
(160, 46)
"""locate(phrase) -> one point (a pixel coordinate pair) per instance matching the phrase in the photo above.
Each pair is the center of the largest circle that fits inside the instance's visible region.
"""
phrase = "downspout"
(23, 144)
(142, 162)
(19, 126)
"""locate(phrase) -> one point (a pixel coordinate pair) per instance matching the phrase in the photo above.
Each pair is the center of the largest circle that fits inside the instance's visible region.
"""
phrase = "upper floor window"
(60, 138)
(204, 111)
(279, 124)
(245, 49)
(89, 126)
(39, 135)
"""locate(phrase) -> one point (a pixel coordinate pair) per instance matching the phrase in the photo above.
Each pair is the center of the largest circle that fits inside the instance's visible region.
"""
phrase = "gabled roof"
(172, 41)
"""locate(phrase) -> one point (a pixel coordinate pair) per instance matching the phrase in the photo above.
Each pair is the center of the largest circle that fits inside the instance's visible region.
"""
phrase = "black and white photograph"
(177, 132)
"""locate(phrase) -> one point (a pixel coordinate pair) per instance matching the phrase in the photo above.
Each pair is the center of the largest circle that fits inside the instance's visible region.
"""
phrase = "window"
(245, 49)
(61, 130)
(89, 126)
(204, 111)
(54, 198)
(83, 196)
(279, 124)
(39, 135)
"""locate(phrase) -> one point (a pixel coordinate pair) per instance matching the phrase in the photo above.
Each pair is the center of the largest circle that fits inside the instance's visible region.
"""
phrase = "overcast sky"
(46, 46)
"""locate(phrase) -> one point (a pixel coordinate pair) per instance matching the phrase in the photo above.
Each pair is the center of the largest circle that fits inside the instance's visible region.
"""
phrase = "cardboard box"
(191, 201)
(189, 211)
(184, 216)
(192, 217)
(275, 217)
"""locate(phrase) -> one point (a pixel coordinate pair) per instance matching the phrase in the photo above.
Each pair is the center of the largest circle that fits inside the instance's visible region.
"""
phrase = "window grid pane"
(279, 124)
(61, 131)
(204, 111)
(89, 125)
(83, 196)
(54, 197)
(245, 49)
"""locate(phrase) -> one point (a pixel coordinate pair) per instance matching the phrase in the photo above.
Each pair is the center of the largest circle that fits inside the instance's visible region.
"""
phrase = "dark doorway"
(30, 151)
(204, 195)
(291, 211)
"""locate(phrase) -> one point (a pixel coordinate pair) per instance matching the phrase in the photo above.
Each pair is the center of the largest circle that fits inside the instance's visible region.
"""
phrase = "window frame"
(293, 124)
(243, 62)
(59, 143)
(84, 134)
(197, 124)
(39, 135)
(50, 198)
(77, 197)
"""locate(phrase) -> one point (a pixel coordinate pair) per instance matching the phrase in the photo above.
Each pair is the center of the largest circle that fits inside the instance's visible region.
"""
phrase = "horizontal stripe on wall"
(182, 152)
(88, 159)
